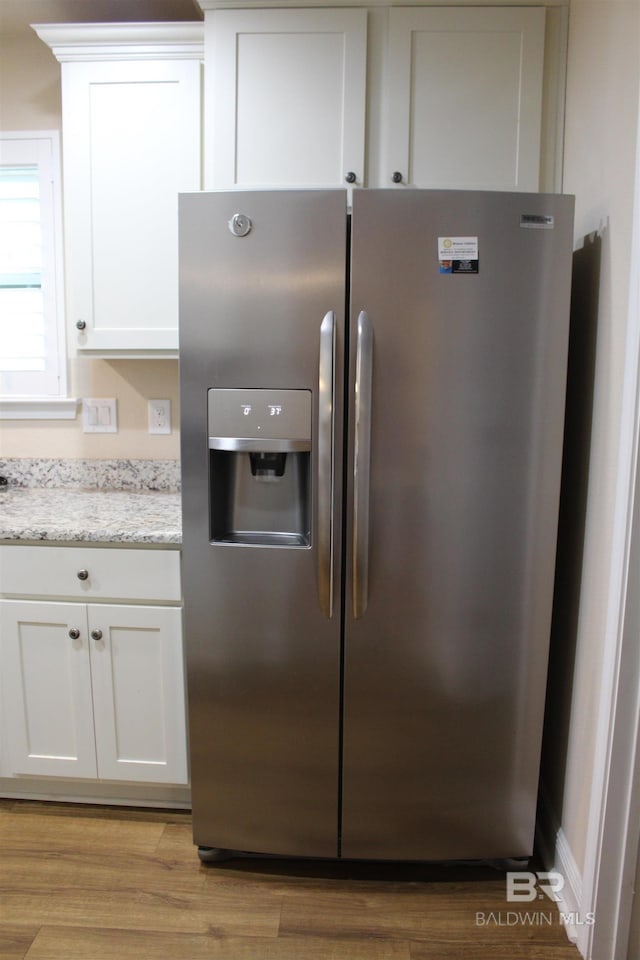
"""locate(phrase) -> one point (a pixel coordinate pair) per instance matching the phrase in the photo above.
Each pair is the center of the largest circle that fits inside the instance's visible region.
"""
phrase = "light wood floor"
(95, 883)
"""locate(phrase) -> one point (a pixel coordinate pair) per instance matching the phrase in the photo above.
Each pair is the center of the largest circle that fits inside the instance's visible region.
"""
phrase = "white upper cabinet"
(452, 96)
(285, 97)
(463, 100)
(131, 143)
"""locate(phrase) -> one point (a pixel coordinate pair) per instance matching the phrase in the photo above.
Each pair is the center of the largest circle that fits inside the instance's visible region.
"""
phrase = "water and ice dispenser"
(259, 467)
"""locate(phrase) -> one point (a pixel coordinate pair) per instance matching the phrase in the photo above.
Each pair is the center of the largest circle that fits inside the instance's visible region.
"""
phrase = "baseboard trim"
(93, 791)
(557, 855)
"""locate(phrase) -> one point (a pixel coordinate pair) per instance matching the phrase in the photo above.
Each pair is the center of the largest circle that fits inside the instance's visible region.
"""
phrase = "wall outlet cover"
(160, 416)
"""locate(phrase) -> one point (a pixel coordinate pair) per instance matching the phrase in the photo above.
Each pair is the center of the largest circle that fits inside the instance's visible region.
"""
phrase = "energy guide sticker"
(458, 254)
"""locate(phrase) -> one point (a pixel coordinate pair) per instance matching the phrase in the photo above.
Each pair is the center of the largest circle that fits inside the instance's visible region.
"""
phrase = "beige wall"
(600, 151)
(30, 100)
(132, 383)
(29, 85)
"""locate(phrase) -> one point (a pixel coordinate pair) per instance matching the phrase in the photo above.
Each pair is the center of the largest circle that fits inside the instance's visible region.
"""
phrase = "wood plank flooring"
(97, 883)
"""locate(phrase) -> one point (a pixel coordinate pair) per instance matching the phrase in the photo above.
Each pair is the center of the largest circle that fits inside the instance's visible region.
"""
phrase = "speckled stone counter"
(92, 501)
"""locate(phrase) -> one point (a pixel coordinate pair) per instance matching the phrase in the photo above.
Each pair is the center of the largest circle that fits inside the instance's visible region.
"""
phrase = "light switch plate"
(99, 415)
(159, 416)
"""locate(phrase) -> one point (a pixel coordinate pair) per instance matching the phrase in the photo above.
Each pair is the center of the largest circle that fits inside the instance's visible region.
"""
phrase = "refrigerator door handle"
(361, 464)
(326, 400)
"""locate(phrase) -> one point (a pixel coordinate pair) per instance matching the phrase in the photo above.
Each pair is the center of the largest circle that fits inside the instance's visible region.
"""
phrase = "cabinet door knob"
(74, 633)
(81, 324)
(350, 177)
(96, 634)
(396, 176)
(83, 574)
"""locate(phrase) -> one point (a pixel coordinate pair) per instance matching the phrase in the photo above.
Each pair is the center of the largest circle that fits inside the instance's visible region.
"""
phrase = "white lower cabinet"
(94, 690)
(138, 693)
(91, 666)
(48, 708)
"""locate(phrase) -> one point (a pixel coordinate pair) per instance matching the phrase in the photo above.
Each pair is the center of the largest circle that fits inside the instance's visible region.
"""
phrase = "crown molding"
(123, 41)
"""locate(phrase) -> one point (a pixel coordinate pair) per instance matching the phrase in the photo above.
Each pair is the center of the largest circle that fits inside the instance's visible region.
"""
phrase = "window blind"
(31, 342)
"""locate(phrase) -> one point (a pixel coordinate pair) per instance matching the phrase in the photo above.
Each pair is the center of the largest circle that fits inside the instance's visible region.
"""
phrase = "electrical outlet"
(99, 415)
(159, 416)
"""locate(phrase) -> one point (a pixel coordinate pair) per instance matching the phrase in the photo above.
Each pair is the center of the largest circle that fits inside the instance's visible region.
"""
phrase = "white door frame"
(614, 808)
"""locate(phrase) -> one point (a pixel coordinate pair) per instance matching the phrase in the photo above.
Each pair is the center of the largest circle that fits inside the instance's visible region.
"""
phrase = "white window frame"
(28, 398)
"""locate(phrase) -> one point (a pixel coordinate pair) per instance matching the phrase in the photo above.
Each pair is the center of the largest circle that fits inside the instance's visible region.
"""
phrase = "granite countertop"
(103, 516)
(49, 504)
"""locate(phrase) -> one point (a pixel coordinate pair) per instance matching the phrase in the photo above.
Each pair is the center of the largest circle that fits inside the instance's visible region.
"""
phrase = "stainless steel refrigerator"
(372, 422)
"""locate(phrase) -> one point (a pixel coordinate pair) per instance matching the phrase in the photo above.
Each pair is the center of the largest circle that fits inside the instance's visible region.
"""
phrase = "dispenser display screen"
(276, 420)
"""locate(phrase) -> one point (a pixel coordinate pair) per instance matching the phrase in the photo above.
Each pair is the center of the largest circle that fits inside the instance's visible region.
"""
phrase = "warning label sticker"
(458, 254)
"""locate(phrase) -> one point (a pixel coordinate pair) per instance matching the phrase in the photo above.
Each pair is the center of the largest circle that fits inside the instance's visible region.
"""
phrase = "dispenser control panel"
(277, 420)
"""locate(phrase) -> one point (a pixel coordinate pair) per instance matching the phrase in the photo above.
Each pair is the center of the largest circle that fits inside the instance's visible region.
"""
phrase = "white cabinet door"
(285, 97)
(464, 97)
(47, 689)
(93, 691)
(138, 693)
(131, 143)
